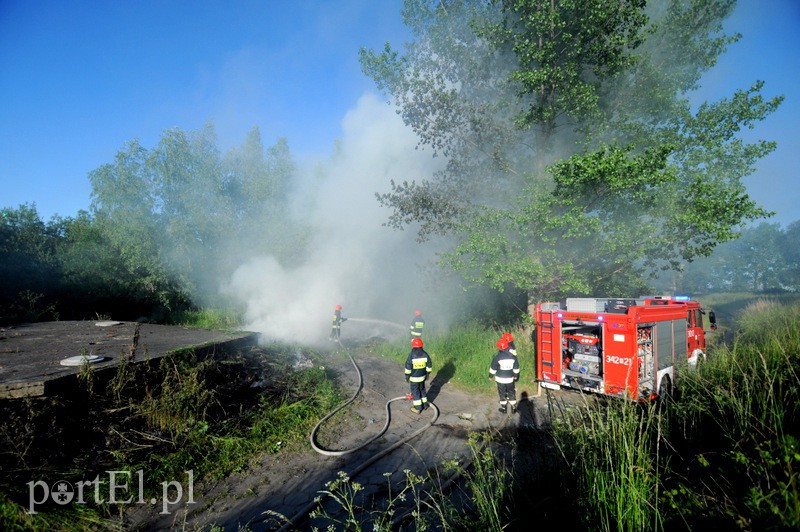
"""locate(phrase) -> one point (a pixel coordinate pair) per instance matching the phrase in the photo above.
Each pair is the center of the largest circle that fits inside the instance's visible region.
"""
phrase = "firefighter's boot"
(502, 409)
(513, 409)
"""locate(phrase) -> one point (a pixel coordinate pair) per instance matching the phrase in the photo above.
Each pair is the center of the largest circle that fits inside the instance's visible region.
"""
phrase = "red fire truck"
(632, 348)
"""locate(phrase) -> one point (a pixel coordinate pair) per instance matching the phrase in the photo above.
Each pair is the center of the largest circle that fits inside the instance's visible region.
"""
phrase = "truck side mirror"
(712, 318)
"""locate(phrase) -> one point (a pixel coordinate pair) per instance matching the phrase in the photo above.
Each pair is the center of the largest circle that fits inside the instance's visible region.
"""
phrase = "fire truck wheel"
(701, 358)
(665, 390)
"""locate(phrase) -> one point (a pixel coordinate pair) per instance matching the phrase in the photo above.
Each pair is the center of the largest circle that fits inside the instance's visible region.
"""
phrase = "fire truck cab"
(631, 348)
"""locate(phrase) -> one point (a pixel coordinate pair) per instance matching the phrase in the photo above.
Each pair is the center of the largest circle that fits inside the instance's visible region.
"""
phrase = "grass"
(611, 451)
(208, 318)
(165, 417)
(420, 501)
(729, 308)
(741, 416)
(724, 454)
(463, 355)
(490, 488)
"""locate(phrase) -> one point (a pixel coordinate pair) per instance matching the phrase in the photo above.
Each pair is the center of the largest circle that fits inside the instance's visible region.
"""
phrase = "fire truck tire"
(701, 358)
(665, 390)
(697, 359)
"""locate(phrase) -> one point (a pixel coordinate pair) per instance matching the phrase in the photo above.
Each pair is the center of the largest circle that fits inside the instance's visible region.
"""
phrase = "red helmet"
(502, 344)
(417, 313)
(416, 342)
(508, 337)
(338, 307)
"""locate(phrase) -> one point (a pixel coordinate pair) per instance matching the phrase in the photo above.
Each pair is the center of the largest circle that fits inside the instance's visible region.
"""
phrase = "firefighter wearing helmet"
(336, 327)
(418, 367)
(417, 323)
(508, 337)
(505, 372)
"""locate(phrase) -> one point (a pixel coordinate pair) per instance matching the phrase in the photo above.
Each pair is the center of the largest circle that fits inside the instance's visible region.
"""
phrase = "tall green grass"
(611, 452)
(166, 417)
(490, 488)
(741, 416)
(208, 318)
(725, 453)
(464, 352)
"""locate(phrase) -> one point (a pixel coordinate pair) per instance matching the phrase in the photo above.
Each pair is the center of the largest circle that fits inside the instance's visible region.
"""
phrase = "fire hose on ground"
(327, 452)
(301, 515)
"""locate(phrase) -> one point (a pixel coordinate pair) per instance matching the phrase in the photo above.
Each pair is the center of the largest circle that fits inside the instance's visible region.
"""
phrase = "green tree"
(256, 177)
(193, 213)
(94, 279)
(184, 217)
(257, 183)
(758, 261)
(790, 251)
(29, 270)
(126, 206)
(576, 162)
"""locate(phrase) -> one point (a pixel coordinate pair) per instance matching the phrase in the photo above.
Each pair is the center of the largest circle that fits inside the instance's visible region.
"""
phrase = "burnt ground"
(282, 486)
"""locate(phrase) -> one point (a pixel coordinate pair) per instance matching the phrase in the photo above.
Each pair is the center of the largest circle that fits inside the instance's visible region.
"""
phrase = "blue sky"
(79, 79)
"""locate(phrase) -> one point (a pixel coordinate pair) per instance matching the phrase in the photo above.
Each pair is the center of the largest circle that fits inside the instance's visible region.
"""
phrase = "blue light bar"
(682, 298)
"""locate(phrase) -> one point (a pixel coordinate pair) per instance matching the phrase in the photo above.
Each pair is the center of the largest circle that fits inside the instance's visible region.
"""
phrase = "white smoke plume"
(371, 270)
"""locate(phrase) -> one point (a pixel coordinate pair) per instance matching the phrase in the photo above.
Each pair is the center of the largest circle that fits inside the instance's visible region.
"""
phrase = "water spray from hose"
(378, 322)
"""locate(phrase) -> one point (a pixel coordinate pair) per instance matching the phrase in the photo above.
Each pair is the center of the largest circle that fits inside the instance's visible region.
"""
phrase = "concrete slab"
(31, 353)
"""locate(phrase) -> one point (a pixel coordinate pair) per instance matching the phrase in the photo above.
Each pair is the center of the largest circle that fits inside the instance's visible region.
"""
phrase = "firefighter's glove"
(490, 377)
(344, 320)
(516, 379)
(408, 378)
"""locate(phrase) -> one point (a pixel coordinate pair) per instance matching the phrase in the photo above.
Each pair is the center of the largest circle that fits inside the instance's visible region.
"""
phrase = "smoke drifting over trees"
(283, 242)
(350, 257)
(575, 161)
(530, 147)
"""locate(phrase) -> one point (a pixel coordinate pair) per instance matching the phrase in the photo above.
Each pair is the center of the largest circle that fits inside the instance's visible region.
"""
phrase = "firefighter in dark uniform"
(505, 371)
(418, 366)
(417, 323)
(336, 328)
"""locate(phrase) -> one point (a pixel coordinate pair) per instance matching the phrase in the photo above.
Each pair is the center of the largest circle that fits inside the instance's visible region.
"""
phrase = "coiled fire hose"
(302, 514)
(326, 452)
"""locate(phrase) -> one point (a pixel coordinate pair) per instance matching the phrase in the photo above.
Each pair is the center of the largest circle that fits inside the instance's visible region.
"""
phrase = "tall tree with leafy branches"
(577, 161)
(184, 216)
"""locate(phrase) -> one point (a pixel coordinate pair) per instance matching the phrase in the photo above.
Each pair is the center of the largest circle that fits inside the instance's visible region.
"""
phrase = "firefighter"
(417, 323)
(336, 328)
(418, 366)
(509, 338)
(505, 371)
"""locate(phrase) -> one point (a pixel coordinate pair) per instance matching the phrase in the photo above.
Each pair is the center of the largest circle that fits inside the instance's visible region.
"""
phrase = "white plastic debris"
(81, 359)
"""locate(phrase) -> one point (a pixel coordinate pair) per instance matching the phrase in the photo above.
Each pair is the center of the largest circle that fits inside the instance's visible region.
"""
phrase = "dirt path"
(286, 483)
